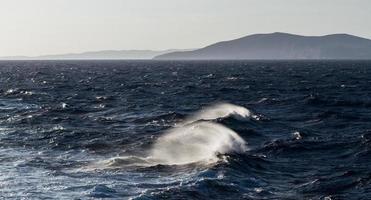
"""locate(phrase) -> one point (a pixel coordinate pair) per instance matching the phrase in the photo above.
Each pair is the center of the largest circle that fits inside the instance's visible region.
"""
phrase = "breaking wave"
(222, 110)
(196, 140)
(202, 141)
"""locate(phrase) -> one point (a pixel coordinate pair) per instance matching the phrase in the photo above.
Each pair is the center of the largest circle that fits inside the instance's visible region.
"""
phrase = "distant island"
(275, 46)
(270, 46)
(98, 55)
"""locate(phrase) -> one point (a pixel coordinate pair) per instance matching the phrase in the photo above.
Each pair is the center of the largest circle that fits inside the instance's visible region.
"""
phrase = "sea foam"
(197, 142)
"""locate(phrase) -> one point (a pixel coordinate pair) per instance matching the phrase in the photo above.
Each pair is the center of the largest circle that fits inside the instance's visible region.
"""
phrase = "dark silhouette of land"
(272, 46)
(281, 46)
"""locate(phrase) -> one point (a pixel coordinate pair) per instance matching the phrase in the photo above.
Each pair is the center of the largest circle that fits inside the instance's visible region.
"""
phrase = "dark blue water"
(88, 129)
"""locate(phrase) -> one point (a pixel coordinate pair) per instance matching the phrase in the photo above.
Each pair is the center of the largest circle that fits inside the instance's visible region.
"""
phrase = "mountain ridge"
(279, 45)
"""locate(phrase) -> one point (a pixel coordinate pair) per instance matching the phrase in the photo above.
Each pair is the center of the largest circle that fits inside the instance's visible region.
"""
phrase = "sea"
(185, 130)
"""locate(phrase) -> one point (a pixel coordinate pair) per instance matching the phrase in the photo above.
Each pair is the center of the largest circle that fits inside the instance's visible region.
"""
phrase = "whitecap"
(297, 135)
(231, 78)
(222, 110)
(64, 105)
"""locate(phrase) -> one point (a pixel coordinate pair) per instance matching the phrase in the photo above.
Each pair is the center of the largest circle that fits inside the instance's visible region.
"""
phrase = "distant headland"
(275, 46)
(270, 46)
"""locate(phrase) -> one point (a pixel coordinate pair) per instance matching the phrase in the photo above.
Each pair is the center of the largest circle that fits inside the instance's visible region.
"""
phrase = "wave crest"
(201, 141)
(222, 110)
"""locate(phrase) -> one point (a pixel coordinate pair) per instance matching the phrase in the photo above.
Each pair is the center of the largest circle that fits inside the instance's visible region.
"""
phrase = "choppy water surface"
(185, 130)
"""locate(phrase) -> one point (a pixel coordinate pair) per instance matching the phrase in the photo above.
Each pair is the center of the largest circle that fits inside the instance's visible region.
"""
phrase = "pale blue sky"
(35, 27)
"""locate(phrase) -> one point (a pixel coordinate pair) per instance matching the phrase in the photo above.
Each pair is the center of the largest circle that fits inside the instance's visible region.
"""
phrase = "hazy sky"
(34, 27)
